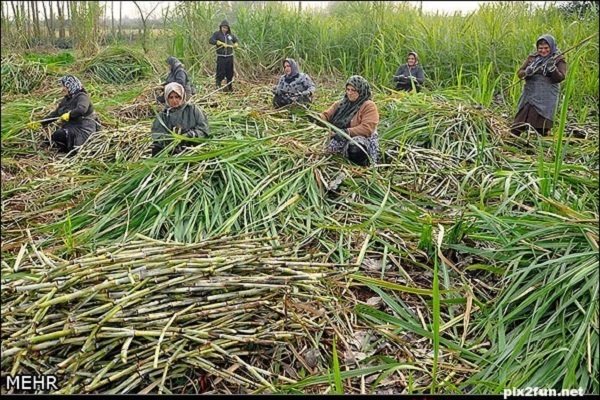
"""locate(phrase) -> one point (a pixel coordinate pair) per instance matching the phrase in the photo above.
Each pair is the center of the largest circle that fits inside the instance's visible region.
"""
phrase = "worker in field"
(177, 73)
(410, 75)
(357, 116)
(225, 42)
(543, 70)
(293, 86)
(76, 116)
(179, 116)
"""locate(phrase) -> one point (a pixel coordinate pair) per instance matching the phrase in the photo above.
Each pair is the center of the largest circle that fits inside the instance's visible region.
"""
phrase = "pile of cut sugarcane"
(149, 316)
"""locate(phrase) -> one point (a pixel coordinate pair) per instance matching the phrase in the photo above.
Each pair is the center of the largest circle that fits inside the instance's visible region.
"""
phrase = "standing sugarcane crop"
(180, 117)
(293, 86)
(357, 116)
(225, 42)
(543, 71)
(76, 113)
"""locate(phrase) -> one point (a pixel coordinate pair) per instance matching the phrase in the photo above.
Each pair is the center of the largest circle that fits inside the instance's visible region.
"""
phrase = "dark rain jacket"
(82, 120)
(188, 119)
(228, 38)
(178, 74)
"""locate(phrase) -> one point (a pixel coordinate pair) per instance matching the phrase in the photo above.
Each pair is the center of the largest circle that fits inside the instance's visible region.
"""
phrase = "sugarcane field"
(250, 197)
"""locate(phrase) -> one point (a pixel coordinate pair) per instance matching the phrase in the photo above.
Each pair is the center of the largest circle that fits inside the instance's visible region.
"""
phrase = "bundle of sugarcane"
(19, 75)
(119, 65)
(469, 133)
(128, 143)
(146, 314)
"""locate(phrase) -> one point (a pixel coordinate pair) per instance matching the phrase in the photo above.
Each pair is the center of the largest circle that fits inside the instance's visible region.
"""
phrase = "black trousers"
(63, 140)
(224, 70)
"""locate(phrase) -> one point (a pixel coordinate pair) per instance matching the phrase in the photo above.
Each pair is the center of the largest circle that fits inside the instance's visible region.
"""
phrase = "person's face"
(174, 99)
(287, 68)
(411, 60)
(543, 48)
(352, 93)
(224, 29)
(65, 91)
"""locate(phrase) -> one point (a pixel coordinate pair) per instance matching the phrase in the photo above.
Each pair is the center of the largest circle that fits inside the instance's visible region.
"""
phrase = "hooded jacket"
(228, 38)
(187, 119)
(178, 74)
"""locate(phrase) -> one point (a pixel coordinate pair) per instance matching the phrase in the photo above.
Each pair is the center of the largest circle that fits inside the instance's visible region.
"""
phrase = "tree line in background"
(84, 25)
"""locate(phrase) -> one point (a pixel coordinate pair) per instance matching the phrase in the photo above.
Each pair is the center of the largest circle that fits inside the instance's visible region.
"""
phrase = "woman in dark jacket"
(76, 114)
(293, 86)
(177, 73)
(543, 71)
(409, 74)
(180, 117)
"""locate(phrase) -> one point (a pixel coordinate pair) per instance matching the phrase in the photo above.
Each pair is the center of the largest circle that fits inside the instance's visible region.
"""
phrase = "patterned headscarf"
(295, 70)
(72, 84)
(174, 87)
(346, 108)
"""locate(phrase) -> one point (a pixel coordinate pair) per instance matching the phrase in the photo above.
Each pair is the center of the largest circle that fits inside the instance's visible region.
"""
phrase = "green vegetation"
(465, 262)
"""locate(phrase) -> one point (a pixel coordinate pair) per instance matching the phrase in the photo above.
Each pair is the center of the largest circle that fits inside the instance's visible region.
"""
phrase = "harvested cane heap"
(147, 314)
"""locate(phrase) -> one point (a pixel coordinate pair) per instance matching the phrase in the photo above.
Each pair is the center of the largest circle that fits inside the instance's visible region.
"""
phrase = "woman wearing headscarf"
(410, 73)
(179, 117)
(357, 115)
(543, 71)
(177, 73)
(293, 86)
(76, 114)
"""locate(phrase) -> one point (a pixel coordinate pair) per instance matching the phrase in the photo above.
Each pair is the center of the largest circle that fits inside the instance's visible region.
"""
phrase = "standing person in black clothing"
(225, 42)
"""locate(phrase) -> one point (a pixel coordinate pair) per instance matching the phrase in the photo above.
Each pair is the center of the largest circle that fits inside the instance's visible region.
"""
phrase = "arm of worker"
(368, 119)
(521, 73)
(201, 128)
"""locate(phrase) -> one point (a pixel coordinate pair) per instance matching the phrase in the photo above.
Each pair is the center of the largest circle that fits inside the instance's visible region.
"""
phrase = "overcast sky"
(449, 7)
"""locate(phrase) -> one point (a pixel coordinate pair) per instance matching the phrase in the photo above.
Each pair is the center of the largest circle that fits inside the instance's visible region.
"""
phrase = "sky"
(449, 7)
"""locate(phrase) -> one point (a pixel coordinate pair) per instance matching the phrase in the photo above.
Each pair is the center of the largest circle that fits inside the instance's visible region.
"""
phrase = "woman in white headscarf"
(178, 117)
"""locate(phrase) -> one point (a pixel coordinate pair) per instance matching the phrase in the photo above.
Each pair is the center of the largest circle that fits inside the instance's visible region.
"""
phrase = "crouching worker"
(293, 86)
(357, 115)
(75, 113)
(179, 117)
(177, 73)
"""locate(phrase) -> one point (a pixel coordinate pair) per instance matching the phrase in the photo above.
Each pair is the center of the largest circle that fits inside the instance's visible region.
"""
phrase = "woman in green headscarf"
(357, 115)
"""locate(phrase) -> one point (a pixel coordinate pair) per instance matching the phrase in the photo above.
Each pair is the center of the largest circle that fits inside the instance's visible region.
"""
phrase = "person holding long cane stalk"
(543, 71)
(225, 42)
(76, 114)
(356, 118)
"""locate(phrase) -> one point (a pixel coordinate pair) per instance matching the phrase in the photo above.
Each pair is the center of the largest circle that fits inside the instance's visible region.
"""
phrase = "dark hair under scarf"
(346, 108)
(295, 70)
(72, 84)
